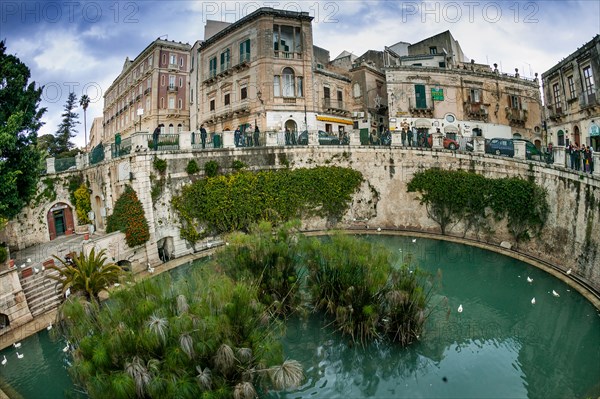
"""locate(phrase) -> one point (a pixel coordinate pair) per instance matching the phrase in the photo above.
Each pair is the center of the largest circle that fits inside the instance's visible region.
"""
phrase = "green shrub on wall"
(211, 168)
(3, 254)
(192, 167)
(83, 204)
(457, 196)
(128, 217)
(233, 202)
(160, 165)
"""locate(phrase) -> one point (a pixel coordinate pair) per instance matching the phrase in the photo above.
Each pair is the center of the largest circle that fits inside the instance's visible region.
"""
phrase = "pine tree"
(66, 129)
(19, 124)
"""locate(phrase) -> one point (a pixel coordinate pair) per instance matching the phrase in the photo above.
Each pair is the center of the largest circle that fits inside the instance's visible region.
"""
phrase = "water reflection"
(499, 346)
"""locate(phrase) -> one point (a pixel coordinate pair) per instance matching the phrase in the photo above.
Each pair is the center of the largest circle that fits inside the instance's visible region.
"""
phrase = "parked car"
(506, 147)
(449, 143)
(324, 138)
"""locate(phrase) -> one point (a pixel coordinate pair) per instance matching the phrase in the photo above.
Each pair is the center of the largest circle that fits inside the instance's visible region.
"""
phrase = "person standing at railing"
(155, 136)
(256, 136)
(236, 136)
(203, 136)
(571, 151)
(248, 135)
(118, 144)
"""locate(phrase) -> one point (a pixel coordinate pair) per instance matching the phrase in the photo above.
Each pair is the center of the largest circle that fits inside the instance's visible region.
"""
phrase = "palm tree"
(84, 101)
(87, 275)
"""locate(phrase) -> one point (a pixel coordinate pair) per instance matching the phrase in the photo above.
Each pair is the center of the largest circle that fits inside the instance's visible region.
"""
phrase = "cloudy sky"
(80, 46)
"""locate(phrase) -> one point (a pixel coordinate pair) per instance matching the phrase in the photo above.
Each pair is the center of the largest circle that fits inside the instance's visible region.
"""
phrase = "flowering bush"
(128, 217)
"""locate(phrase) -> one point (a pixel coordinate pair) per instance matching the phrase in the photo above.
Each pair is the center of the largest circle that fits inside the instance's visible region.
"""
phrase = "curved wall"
(570, 238)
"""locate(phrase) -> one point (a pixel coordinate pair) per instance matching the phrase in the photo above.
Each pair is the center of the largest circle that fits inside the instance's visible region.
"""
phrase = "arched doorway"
(4, 321)
(60, 220)
(561, 137)
(577, 136)
(291, 128)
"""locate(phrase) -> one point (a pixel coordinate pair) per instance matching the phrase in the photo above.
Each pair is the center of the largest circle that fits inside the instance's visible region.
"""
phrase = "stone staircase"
(41, 292)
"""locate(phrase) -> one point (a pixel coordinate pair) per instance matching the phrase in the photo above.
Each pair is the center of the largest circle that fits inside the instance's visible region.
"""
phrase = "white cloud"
(63, 51)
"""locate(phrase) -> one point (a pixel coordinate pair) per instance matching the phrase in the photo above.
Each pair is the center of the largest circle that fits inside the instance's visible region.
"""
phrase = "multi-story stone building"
(264, 70)
(255, 71)
(150, 90)
(96, 133)
(369, 92)
(468, 99)
(572, 98)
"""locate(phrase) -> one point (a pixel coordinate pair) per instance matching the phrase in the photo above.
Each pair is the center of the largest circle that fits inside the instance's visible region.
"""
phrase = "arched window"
(171, 128)
(162, 102)
(179, 128)
(288, 82)
(179, 104)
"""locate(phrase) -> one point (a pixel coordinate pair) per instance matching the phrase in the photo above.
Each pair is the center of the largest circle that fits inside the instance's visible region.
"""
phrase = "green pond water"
(500, 346)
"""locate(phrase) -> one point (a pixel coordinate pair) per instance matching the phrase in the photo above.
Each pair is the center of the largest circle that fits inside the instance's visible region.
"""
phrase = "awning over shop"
(335, 120)
(422, 123)
(450, 129)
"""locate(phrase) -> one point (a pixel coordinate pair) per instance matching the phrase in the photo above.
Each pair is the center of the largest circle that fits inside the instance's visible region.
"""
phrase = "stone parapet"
(520, 148)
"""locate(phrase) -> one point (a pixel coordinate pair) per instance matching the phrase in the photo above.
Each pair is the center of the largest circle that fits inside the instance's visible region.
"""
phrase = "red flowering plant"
(128, 217)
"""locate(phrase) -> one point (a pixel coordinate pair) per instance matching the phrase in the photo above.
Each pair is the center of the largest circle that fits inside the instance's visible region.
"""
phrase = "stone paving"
(41, 252)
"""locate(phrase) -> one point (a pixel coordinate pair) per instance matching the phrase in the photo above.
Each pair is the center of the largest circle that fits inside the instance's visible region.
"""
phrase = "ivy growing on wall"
(233, 202)
(128, 217)
(48, 192)
(157, 184)
(451, 197)
(83, 204)
(72, 184)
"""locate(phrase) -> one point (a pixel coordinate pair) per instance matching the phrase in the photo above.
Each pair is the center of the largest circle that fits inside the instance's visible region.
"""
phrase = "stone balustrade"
(139, 143)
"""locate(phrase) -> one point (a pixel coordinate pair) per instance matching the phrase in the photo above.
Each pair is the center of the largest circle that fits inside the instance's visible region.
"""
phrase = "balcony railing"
(516, 116)
(213, 140)
(119, 150)
(476, 111)
(166, 142)
(329, 103)
(62, 164)
(97, 154)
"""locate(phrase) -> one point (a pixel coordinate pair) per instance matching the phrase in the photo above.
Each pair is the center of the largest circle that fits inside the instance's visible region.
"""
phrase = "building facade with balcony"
(151, 89)
(467, 100)
(256, 71)
(572, 97)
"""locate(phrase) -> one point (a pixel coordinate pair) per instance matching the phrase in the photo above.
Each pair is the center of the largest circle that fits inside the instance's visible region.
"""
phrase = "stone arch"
(291, 125)
(166, 248)
(576, 136)
(60, 220)
(4, 321)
